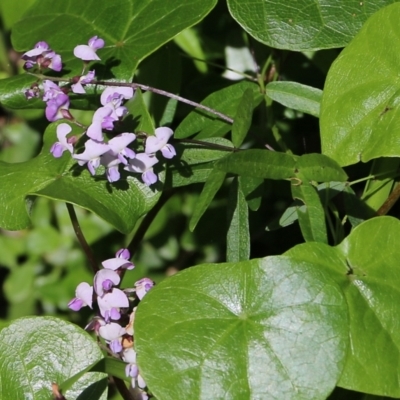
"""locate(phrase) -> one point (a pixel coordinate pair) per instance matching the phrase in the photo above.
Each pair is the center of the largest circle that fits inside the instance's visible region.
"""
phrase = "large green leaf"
(303, 24)
(37, 351)
(272, 328)
(360, 114)
(121, 203)
(365, 265)
(226, 101)
(132, 29)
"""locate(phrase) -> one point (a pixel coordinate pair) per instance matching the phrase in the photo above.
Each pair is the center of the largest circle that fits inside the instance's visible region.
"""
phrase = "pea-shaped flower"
(159, 142)
(88, 52)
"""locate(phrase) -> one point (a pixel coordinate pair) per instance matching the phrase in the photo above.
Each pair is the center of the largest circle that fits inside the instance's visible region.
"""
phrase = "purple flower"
(111, 303)
(116, 94)
(104, 280)
(123, 253)
(83, 297)
(51, 90)
(129, 356)
(111, 162)
(91, 155)
(57, 107)
(63, 144)
(88, 52)
(115, 346)
(143, 163)
(43, 56)
(131, 370)
(142, 286)
(77, 87)
(160, 142)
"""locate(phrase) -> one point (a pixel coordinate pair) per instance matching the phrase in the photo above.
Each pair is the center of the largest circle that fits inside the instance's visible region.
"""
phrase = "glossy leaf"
(371, 286)
(273, 165)
(36, 351)
(238, 236)
(225, 330)
(138, 109)
(304, 24)
(131, 32)
(211, 187)
(226, 101)
(297, 96)
(243, 117)
(312, 216)
(120, 204)
(360, 114)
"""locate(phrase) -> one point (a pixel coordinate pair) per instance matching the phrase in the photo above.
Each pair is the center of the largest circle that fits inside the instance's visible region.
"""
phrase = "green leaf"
(243, 117)
(132, 29)
(213, 184)
(312, 216)
(295, 95)
(259, 164)
(320, 168)
(304, 24)
(36, 351)
(226, 101)
(253, 190)
(238, 236)
(224, 331)
(360, 112)
(365, 265)
(138, 108)
(11, 14)
(120, 204)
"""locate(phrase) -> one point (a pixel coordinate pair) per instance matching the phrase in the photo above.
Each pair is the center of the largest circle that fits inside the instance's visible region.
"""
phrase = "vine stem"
(390, 201)
(146, 88)
(81, 238)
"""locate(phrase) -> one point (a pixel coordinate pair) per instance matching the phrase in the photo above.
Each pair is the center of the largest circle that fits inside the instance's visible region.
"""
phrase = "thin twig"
(143, 87)
(166, 94)
(81, 238)
(209, 145)
(390, 201)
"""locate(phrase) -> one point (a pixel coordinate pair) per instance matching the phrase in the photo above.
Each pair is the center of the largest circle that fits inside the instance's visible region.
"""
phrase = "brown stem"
(81, 238)
(122, 389)
(390, 201)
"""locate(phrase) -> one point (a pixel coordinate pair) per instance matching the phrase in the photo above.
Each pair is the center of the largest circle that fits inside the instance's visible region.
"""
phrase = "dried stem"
(81, 238)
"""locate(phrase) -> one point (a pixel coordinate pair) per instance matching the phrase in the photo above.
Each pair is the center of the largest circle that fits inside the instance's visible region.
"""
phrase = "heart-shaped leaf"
(38, 351)
(366, 266)
(304, 24)
(360, 113)
(269, 328)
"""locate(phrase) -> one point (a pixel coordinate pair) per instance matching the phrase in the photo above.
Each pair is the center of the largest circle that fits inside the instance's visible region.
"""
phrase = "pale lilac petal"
(107, 95)
(141, 382)
(115, 346)
(149, 177)
(113, 174)
(76, 304)
(119, 142)
(114, 263)
(111, 331)
(78, 88)
(123, 253)
(39, 48)
(85, 53)
(56, 63)
(115, 299)
(168, 151)
(142, 286)
(96, 43)
(141, 163)
(103, 275)
(129, 355)
(55, 105)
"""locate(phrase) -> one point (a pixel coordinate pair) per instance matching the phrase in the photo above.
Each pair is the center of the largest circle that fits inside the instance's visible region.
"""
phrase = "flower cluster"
(99, 148)
(114, 322)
